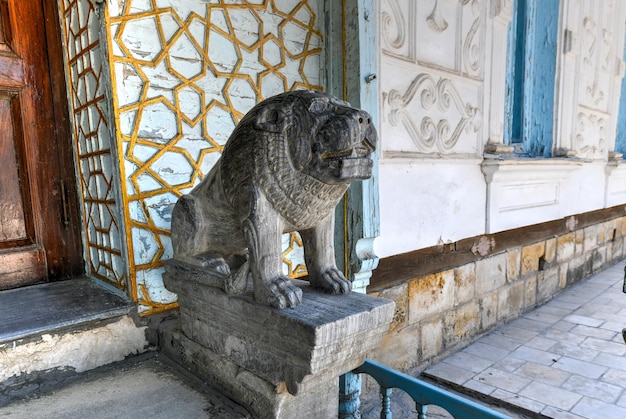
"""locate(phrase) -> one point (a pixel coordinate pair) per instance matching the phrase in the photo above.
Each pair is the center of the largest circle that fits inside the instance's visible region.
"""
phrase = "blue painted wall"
(531, 73)
(620, 141)
(514, 77)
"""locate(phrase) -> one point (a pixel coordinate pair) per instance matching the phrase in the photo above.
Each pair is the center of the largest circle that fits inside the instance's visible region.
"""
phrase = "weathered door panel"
(38, 240)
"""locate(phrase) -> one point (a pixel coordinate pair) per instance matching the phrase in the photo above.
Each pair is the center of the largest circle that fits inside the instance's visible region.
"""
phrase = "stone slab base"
(277, 363)
(262, 398)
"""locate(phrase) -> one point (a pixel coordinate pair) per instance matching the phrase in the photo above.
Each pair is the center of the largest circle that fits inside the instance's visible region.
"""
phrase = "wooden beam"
(397, 269)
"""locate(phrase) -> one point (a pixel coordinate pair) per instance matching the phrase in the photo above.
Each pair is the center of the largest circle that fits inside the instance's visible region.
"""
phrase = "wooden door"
(39, 232)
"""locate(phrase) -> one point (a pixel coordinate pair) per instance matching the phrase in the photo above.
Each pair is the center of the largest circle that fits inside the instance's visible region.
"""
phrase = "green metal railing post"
(423, 394)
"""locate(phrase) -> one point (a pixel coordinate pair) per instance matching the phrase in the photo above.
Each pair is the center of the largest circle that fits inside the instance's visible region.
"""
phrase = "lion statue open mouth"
(284, 168)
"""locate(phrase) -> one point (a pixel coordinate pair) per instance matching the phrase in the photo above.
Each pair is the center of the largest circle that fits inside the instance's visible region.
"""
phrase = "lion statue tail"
(237, 282)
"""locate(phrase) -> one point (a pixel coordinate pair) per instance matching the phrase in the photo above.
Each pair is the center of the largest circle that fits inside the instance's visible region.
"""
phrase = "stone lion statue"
(284, 168)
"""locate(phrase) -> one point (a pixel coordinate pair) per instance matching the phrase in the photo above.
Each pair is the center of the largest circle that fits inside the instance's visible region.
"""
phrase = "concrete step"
(50, 332)
(45, 308)
(145, 386)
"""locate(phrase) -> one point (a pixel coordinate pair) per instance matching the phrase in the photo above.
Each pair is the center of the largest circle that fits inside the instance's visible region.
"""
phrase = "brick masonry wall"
(443, 312)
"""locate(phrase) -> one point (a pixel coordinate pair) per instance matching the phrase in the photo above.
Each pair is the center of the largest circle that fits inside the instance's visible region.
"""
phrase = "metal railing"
(423, 394)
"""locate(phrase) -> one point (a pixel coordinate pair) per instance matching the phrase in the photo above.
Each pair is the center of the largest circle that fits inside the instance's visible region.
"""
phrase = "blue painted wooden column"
(620, 140)
(351, 74)
(531, 72)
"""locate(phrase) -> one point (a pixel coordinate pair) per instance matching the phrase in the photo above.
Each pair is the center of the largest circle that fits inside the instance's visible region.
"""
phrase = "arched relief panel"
(398, 34)
(592, 42)
(184, 73)
(432, 76)
(442, 33)
(454, 30)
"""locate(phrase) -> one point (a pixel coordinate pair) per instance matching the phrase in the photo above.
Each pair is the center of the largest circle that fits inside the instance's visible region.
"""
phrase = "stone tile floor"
(565, 359)
(146, 386)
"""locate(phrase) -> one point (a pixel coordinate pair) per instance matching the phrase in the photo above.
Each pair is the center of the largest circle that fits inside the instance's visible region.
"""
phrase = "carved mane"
(301, 199)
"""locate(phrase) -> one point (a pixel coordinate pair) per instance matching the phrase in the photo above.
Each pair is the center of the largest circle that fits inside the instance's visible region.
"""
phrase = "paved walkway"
(565, 359)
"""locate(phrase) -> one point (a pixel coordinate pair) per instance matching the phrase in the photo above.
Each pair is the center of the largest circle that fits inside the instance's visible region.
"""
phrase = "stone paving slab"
(565, 359)
(56, 305)
(141, 387)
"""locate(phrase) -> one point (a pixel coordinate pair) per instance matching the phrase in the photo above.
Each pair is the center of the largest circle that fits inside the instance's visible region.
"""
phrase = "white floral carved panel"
(472, 37)
(591, 39)
(596, 58)
(591, 134)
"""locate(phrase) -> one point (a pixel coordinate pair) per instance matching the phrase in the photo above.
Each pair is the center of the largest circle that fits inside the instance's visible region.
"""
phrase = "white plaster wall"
(530, 191)
(79, 351)
(443, 174)
(433, 121)
(616, 185)
(428, 202)
(584, 189)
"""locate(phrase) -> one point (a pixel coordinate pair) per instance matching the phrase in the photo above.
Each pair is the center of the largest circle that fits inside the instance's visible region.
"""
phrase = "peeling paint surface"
(80, 351)
(184, 73)
(94, 143)
(620, 141)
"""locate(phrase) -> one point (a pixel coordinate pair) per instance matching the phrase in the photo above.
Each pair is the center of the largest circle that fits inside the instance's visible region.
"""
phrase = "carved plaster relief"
(472, 50)
(592, 41)
(433, 113)
(591, 135)
(441, 43)
(397, 35)
(442, 33)
(607, 51)
(435, 19)
(589, 40)
(596, 46)
(454, 30)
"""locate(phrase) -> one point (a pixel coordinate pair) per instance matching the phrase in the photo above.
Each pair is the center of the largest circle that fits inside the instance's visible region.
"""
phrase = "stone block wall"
(444, 311)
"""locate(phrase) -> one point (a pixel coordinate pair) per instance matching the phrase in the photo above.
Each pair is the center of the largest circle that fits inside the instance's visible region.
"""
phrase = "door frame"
(71, 256)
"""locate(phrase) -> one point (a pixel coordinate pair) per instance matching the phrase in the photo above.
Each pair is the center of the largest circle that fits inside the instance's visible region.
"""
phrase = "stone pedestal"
(277, 363)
